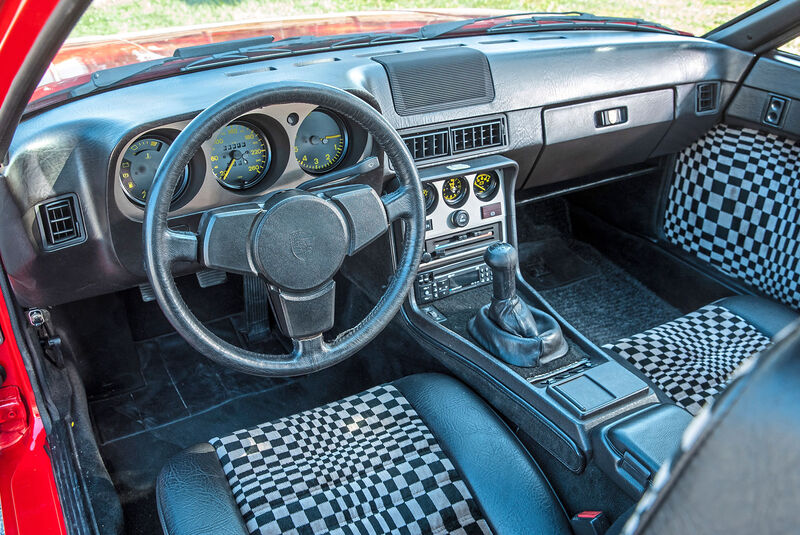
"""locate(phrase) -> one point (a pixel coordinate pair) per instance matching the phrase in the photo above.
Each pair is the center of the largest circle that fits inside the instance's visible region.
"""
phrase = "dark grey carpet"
(596, 296)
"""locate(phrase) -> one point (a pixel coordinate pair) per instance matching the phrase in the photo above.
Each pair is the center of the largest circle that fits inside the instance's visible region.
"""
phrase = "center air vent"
(477, 136)
(428, 144)
(456, 139)
(60, 222)
(707, 97)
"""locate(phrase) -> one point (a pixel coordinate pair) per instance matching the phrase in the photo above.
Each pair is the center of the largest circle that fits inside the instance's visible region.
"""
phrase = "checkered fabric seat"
(691, 359)
(420, 455)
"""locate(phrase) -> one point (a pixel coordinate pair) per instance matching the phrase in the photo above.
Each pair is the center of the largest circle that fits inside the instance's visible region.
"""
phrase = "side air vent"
(707, 97)
(428, 145)
(477, 136)
(60, 222)
(456, 139)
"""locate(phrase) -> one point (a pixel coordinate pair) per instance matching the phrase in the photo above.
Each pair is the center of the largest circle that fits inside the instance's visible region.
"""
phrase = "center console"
(465, 213)
(581, 405)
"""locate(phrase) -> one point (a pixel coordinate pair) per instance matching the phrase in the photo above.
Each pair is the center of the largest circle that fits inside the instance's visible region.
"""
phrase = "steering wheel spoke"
(224, 235)
(305, 314)
(399, 204)
(364, 213)
(181, 246)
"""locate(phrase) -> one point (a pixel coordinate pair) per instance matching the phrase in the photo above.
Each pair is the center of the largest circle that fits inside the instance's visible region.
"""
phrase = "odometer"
(138, 167)
(240, 156)
(455, 191)
(321, 142)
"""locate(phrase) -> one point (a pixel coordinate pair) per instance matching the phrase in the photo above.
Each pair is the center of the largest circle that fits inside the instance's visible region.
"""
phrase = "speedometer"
(240, 156)
(321, 142)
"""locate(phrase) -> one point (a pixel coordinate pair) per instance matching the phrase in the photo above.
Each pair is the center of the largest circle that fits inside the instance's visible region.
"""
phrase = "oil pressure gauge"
(455, 191)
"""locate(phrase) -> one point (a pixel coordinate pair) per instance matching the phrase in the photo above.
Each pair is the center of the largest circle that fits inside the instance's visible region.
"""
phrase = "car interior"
(481, 283)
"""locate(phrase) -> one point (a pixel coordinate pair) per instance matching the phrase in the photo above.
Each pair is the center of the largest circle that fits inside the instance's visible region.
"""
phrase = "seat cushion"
(691, 358)
(420, 455)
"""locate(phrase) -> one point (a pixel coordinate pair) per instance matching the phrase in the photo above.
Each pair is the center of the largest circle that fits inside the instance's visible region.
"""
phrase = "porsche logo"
(301, 244)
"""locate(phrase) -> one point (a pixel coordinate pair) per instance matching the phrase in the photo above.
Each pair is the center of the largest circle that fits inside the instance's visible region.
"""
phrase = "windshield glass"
(116, 33)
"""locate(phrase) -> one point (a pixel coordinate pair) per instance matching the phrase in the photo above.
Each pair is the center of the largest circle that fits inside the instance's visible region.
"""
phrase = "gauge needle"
(480, 187)
(228, 169)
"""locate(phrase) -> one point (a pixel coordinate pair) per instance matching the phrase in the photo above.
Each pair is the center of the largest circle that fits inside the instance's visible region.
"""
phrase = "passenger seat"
(691, 358)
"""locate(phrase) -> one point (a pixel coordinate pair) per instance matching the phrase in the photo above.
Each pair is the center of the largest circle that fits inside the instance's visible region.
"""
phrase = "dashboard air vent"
(428, 145)
(477, 136)
(60, 222)
(707, 97)
(456, 139)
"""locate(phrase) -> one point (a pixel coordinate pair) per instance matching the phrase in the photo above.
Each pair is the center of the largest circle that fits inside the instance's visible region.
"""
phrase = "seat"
(423, 454)
(691, 358)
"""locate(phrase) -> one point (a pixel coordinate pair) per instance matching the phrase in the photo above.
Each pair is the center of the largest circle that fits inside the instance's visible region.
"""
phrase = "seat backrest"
(739, 466)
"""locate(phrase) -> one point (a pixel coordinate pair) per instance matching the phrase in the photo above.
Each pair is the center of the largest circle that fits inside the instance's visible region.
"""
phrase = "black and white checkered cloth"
(691, 358)
(735, 203)
(365, 464)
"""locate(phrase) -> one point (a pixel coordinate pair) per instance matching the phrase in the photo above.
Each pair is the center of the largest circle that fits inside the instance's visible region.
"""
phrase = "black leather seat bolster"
(765, 315)
(509, 487)
(194, 497)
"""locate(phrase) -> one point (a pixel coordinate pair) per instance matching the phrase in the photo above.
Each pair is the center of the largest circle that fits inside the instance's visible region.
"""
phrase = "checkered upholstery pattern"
(365, 464)
(735, 203)
(691, 358)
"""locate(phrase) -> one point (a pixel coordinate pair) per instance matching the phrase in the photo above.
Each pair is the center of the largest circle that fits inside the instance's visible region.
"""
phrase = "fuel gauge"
(486, 185)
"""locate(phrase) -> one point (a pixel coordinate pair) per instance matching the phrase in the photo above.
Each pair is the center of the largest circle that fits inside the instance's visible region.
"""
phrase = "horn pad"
(299, 242)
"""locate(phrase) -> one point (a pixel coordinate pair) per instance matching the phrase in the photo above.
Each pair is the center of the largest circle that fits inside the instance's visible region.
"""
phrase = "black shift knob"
(502, 258)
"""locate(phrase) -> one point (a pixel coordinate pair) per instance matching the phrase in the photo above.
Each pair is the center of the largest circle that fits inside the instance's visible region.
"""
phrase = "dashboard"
(79, 174)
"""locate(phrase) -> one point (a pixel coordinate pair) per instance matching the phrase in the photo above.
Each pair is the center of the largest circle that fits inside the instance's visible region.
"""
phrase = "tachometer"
(455, 191)
(240, 155)
(321, 142)
(139, 164)
(486, 185)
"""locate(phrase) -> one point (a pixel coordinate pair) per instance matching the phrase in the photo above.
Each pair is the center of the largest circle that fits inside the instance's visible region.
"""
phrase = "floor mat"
(182, 398)
(596, 296)
(176, 383)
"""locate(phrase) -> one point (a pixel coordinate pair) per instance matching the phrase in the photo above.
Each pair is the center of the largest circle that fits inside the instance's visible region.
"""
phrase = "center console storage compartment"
(596, 389)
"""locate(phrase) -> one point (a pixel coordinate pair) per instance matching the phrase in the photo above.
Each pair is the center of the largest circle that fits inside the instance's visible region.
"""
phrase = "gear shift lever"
(502, 258)
(506, 309)
(507, 327)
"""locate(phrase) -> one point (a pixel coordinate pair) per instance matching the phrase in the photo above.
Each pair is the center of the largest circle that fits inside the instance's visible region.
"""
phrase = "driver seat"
(423, 454)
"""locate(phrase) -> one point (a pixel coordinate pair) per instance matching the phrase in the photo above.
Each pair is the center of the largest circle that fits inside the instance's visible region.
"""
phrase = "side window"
(792, 47)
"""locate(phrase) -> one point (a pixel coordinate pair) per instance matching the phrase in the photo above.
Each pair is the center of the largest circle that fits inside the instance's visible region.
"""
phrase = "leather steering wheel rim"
(164, 247)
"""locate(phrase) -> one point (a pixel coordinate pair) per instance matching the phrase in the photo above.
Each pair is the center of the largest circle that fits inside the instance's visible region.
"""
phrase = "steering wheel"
(295, 240)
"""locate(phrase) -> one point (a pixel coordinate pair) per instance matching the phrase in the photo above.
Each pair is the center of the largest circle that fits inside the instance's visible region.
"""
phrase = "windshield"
(119, 33)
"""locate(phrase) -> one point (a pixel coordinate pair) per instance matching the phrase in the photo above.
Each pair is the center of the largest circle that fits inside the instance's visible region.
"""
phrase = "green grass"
(106, 17)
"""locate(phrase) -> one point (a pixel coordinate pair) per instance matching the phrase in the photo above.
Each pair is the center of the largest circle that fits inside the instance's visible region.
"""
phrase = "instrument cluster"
(243, 156)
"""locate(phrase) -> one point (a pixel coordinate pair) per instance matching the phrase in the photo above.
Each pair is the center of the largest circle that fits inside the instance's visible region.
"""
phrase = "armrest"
(632, 449)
